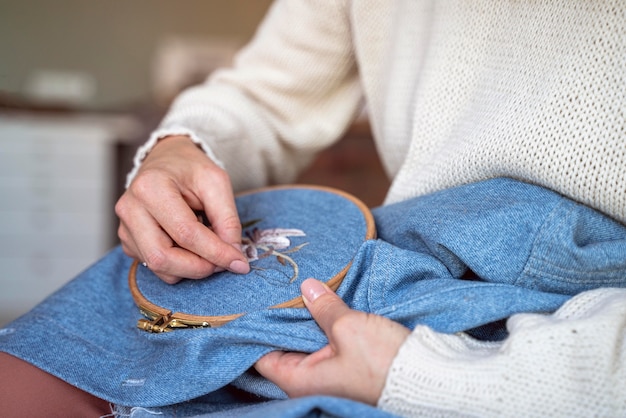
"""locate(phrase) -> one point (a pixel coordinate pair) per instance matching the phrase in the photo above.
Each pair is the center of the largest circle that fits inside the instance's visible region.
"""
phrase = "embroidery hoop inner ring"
(185, 320)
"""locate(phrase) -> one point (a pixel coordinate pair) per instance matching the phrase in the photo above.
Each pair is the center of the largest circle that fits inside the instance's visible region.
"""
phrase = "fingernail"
(312, 289)
(238, 246)
(239, 267)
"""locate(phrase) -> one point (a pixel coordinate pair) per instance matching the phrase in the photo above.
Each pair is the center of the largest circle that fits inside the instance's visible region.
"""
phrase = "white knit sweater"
(569, 364)
(457, 91)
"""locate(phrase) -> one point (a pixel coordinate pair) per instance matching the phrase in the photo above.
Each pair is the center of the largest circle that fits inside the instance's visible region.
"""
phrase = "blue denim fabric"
(462, 259)
(334, 229)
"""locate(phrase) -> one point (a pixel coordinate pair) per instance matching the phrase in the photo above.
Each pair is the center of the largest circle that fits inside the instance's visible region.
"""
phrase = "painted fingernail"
(312, 289)
(239, 267)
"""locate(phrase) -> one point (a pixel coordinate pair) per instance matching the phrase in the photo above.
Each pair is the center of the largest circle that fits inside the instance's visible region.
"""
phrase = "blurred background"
(82, 84)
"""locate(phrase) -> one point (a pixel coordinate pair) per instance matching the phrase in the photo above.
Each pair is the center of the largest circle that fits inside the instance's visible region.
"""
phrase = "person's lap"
(466, 233)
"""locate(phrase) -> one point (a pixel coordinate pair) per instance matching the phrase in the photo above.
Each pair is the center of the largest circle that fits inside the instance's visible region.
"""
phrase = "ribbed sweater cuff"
(161, 133)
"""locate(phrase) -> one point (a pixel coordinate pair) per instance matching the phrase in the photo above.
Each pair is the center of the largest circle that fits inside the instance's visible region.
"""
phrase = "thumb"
(325, 306)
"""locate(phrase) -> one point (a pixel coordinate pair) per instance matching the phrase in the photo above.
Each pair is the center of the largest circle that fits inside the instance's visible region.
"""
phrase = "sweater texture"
(456, 92)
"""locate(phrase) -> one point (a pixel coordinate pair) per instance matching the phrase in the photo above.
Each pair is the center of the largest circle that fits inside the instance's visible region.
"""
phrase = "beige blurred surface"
(114, 41)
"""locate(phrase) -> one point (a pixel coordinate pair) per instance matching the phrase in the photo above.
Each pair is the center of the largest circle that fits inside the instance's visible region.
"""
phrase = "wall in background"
(104, 51)
(114, 44)
(112, 41)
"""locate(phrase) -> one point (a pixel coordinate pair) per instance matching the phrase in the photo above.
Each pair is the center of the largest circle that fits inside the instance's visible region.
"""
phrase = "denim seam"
(538, 235)
(386, 309)
(371, 281)
(68, 332)
(558, 267)
(532, 270)
(565, 278)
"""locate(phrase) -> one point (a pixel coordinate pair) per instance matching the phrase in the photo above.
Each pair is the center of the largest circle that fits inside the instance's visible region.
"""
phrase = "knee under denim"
(463, 259)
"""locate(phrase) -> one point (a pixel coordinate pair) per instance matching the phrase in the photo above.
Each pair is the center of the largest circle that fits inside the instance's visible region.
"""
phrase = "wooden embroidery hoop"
(161, 319)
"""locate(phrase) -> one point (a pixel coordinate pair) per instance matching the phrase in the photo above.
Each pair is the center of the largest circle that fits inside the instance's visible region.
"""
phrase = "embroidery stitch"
(269, 241)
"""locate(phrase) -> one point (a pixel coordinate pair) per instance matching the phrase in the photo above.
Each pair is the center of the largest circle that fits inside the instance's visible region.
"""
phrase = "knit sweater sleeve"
(570, 363)
(291, 91)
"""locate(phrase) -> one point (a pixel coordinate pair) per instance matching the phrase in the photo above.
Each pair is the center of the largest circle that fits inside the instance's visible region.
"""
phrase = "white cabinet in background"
(57, 189)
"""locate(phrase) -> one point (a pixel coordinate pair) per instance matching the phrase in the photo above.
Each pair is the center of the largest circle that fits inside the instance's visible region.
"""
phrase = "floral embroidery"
(261, 243)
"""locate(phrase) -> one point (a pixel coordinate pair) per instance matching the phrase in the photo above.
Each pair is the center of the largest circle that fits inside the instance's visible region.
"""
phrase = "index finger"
(181, 224)
(219, 206)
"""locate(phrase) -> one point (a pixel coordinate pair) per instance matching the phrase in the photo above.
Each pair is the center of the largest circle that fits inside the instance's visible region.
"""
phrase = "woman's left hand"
(353, 365)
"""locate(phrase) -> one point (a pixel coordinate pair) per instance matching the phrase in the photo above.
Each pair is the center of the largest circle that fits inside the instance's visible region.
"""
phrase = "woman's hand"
(355, 363)
(158, 225)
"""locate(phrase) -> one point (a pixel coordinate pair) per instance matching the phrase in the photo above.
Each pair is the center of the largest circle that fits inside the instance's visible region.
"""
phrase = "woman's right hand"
(158, 225)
